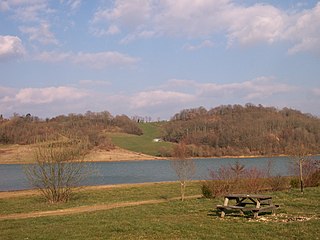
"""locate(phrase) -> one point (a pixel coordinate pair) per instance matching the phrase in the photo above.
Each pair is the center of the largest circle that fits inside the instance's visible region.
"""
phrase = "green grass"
(103, 196)
(192, 219)
(143, 143)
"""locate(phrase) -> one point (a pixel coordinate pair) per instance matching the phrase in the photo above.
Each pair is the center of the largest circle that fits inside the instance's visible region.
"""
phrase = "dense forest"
(29, 129)
(235, 130)
(229, 130)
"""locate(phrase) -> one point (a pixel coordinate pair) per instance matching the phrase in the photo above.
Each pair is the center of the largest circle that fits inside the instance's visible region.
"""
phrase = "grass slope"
(298, 218)
(144, 143)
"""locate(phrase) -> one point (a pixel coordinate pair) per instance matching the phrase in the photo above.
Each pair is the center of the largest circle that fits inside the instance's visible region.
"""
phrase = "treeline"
(29, 129)
(235, 130)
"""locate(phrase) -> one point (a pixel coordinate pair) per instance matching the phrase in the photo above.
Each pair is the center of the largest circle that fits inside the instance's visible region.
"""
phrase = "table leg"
(225, 203)
(222, 214)
(255, 214)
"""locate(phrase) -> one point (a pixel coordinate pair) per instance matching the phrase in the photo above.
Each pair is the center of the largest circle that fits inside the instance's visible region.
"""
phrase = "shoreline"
(17, 154)
(143, 157)
(35, 192)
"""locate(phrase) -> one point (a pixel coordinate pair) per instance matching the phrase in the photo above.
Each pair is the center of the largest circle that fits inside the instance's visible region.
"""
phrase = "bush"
(234, 179)
(313, 180)
(278, 183)
(295, 182)
(206, 190)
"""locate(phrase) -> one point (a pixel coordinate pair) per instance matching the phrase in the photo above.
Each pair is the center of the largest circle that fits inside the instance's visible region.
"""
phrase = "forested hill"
(235, 130)
(93, 126)
(231, 130)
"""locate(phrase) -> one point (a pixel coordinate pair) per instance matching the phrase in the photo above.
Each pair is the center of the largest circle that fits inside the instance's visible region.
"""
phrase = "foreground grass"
(144, 143)
(85, 197)
(192, 219)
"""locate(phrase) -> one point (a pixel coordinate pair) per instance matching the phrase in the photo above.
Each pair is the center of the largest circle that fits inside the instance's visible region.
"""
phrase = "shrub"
(295, 182)
(278, 183)
(206, 190)
(234, 179)
(313, 180)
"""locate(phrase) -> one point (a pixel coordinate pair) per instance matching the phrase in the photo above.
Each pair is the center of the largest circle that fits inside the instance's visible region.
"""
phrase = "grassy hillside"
(297, 218)
(143, 143)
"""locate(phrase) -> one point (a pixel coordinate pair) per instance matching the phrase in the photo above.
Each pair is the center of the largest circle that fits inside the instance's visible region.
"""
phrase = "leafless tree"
(300, 156)
(59, 168)
(184, 167)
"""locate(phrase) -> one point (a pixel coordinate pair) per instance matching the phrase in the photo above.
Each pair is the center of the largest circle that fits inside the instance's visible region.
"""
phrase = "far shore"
(23, 154)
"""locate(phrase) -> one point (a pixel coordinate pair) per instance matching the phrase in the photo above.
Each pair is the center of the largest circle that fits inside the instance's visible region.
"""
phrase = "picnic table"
(247, 203)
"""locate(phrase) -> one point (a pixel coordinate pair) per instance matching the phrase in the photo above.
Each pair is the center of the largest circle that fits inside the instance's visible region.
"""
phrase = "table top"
(257, 196)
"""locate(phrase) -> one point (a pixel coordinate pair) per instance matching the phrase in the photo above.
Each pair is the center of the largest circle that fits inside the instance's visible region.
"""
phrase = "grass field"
(143, 143)
(298, 217)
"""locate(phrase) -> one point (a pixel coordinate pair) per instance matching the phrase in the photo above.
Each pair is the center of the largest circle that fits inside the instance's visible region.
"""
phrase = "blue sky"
(157, 57)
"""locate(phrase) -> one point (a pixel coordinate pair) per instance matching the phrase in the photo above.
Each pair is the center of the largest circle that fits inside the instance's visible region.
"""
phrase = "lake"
(12, 176)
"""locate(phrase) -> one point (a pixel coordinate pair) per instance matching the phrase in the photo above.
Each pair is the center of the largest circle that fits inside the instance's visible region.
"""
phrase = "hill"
(236, 130)
(110, 138)
(231, 130)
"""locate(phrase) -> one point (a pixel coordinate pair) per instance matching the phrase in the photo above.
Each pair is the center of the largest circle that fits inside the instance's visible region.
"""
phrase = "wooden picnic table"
(247, 202)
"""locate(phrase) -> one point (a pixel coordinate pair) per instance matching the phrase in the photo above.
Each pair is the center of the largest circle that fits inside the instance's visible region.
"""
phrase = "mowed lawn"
(298, 217)
(144, 143)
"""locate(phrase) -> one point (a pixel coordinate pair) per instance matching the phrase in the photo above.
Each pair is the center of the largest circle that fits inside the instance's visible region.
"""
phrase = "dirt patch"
(284, 218)
(20, 154)
(86, 209)
(118, 154)
(16, 154)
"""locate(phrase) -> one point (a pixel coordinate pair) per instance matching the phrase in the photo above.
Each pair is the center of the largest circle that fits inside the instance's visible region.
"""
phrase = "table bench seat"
(242, 209)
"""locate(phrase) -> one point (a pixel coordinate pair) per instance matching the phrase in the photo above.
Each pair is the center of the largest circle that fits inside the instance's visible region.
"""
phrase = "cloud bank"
(244, 25)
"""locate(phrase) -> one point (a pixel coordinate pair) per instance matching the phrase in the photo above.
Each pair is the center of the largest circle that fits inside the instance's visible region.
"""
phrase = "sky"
(153, 58)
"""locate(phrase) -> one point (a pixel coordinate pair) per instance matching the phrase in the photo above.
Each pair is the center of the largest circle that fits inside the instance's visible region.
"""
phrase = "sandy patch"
(23, 154)
(118, 154)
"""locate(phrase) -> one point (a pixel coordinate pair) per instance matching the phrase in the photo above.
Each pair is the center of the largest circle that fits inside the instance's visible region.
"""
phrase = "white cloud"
(5, 92)
(4, 6)
(74, 4)
(10, 47)
(98, 60)
(258, 23)
(53, 56)
(304, 32)
(112, 30)
(27, 10)
(48, 95)
(46, 101)
(104, 59)
(41, 33)
(162, 101)
(259, 88)
(241, 24)
(316, 91)
(125, 13)
(94, 82)
(203, 44)
(154, 98)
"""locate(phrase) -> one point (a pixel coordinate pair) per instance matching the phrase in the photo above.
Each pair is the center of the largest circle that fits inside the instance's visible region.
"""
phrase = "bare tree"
(59, 168)
(300, 156)
(184, 167)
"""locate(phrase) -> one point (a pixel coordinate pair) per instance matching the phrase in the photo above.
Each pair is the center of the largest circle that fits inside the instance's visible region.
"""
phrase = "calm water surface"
(12, 176)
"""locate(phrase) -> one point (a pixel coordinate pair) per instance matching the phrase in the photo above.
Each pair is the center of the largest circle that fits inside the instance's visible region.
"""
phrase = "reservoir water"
(12, 176)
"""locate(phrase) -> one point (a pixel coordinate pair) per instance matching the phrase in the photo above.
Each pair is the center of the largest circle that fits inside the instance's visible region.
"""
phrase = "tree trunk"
(301, 176)
(182, 188)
